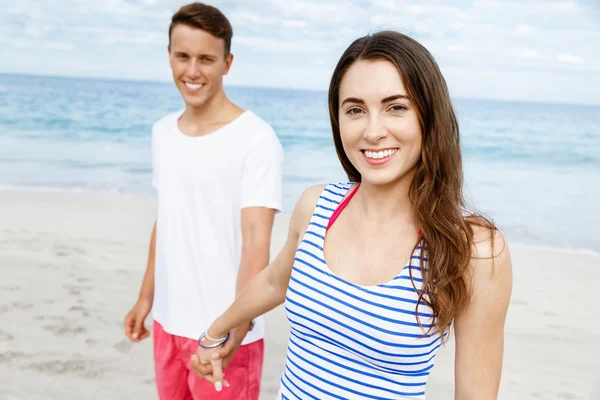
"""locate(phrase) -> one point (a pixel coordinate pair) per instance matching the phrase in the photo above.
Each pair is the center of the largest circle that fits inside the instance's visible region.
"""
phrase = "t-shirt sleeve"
(154, 160)
(262, 174)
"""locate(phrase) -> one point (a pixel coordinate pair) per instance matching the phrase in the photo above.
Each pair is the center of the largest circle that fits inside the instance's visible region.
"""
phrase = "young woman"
(376, 271)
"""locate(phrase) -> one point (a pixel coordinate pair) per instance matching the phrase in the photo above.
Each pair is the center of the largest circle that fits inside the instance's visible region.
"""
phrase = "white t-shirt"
(203, 183)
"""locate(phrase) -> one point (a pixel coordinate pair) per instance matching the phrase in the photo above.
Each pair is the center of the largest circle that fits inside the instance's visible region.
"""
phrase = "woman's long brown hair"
(436, 190)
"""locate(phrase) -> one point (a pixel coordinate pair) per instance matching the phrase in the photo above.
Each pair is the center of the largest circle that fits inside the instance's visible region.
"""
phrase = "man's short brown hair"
(204, 17)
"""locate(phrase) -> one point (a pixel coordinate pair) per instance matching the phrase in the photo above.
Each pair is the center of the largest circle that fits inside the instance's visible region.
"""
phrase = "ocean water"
(533, 168)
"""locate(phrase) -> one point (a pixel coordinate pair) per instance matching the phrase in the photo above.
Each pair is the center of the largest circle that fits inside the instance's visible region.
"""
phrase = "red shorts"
(176, 380)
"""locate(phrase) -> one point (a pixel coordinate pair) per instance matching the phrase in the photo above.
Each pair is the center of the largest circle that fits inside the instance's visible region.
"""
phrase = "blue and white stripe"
(349, 341)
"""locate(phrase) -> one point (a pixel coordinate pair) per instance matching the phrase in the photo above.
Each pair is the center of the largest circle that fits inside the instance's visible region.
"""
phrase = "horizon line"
(237, 85)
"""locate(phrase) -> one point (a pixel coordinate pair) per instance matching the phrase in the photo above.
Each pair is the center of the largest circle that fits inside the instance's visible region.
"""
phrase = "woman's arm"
(479, 329)
(268, 289)
(264, 292)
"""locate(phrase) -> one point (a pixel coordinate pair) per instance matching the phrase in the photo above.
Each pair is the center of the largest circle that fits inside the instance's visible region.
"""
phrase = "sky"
(543, 51)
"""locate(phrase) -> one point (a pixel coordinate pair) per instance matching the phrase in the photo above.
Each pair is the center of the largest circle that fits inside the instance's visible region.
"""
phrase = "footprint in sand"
(48, 318)
(17, 304)
(64, 251)
(65, 329)
(85, 368)
(75, 290)
(11, 288)
(124, 346)
(84, 311)
(5, 336)
(8, 356)
(569, 396)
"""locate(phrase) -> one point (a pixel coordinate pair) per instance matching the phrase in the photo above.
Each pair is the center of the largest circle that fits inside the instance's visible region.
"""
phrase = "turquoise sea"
(534, 168)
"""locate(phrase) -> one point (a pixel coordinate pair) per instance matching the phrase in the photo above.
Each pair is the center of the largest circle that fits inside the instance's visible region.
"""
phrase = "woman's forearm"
(259, 297)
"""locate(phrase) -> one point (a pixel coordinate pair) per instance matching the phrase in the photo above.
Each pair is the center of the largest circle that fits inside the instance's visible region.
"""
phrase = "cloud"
(422, 20)
(432, 11)
(455, 48)
(412, 9)
(275, 45)
(57, 46)
(245, 17)
(523, 29)
(560, 8)
(455, 71)
(24, 43)
(241, 17)
(528, 54)
(421, 28)
(294, 23)
(569, 59)
(320, 11)
(468, 39)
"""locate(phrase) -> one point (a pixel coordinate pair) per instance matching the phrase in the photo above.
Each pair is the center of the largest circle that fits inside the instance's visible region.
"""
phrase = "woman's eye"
(354, 111)
(398, 107)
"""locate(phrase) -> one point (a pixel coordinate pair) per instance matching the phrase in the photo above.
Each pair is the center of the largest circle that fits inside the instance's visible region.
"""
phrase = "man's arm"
(134, 320)
(257, 224)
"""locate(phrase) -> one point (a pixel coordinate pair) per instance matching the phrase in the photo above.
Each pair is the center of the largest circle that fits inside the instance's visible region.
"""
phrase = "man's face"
(198, 63)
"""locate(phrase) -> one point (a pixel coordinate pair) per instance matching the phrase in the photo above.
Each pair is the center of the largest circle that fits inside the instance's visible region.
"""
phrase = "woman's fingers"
(217, 366)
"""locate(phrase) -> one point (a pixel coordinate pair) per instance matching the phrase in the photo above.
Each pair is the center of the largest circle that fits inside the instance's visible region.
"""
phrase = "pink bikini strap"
(342, 205)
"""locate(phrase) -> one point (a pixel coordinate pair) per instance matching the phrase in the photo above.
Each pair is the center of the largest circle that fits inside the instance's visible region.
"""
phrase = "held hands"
(208, 363)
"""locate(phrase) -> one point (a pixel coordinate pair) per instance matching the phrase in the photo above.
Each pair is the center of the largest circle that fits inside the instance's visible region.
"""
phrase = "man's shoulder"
(167, 122)
(258, 127)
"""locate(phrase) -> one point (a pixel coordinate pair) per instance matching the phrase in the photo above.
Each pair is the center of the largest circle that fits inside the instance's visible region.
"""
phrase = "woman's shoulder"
(491, 263)
(488, 240)
(308, 200)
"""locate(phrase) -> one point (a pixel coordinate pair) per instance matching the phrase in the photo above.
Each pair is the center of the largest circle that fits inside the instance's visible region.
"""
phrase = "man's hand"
(134, 321)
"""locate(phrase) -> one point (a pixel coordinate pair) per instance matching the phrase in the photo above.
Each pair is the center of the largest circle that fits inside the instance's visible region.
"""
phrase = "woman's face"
(379, 127)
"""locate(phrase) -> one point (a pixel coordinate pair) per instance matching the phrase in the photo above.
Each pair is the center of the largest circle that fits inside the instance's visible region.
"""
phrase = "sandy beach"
(71, 265)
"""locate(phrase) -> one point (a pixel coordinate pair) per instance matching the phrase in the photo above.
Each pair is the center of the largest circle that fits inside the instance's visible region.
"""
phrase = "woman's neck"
(380, 203)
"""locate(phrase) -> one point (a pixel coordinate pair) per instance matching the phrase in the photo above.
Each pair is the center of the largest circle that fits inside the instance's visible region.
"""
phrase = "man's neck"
(216, 113)
(216, 109)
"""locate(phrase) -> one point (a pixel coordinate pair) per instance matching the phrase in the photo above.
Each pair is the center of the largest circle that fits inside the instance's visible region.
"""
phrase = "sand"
(71, 265)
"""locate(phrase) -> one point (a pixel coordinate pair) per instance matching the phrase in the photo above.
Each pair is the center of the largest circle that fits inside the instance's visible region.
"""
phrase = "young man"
(218, 171)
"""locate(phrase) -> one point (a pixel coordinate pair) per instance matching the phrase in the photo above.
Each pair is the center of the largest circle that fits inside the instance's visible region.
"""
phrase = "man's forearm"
(255, 258)
(147, 290)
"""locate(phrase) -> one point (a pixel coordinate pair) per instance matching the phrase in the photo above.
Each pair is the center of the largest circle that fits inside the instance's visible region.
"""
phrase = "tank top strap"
(327, 204)
(341, 207)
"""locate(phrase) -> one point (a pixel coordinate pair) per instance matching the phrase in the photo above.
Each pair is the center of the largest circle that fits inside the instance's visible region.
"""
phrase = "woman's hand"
(207, 363)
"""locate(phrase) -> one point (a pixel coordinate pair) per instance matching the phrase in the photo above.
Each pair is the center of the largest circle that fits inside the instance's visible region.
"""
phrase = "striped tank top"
(349, 341)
